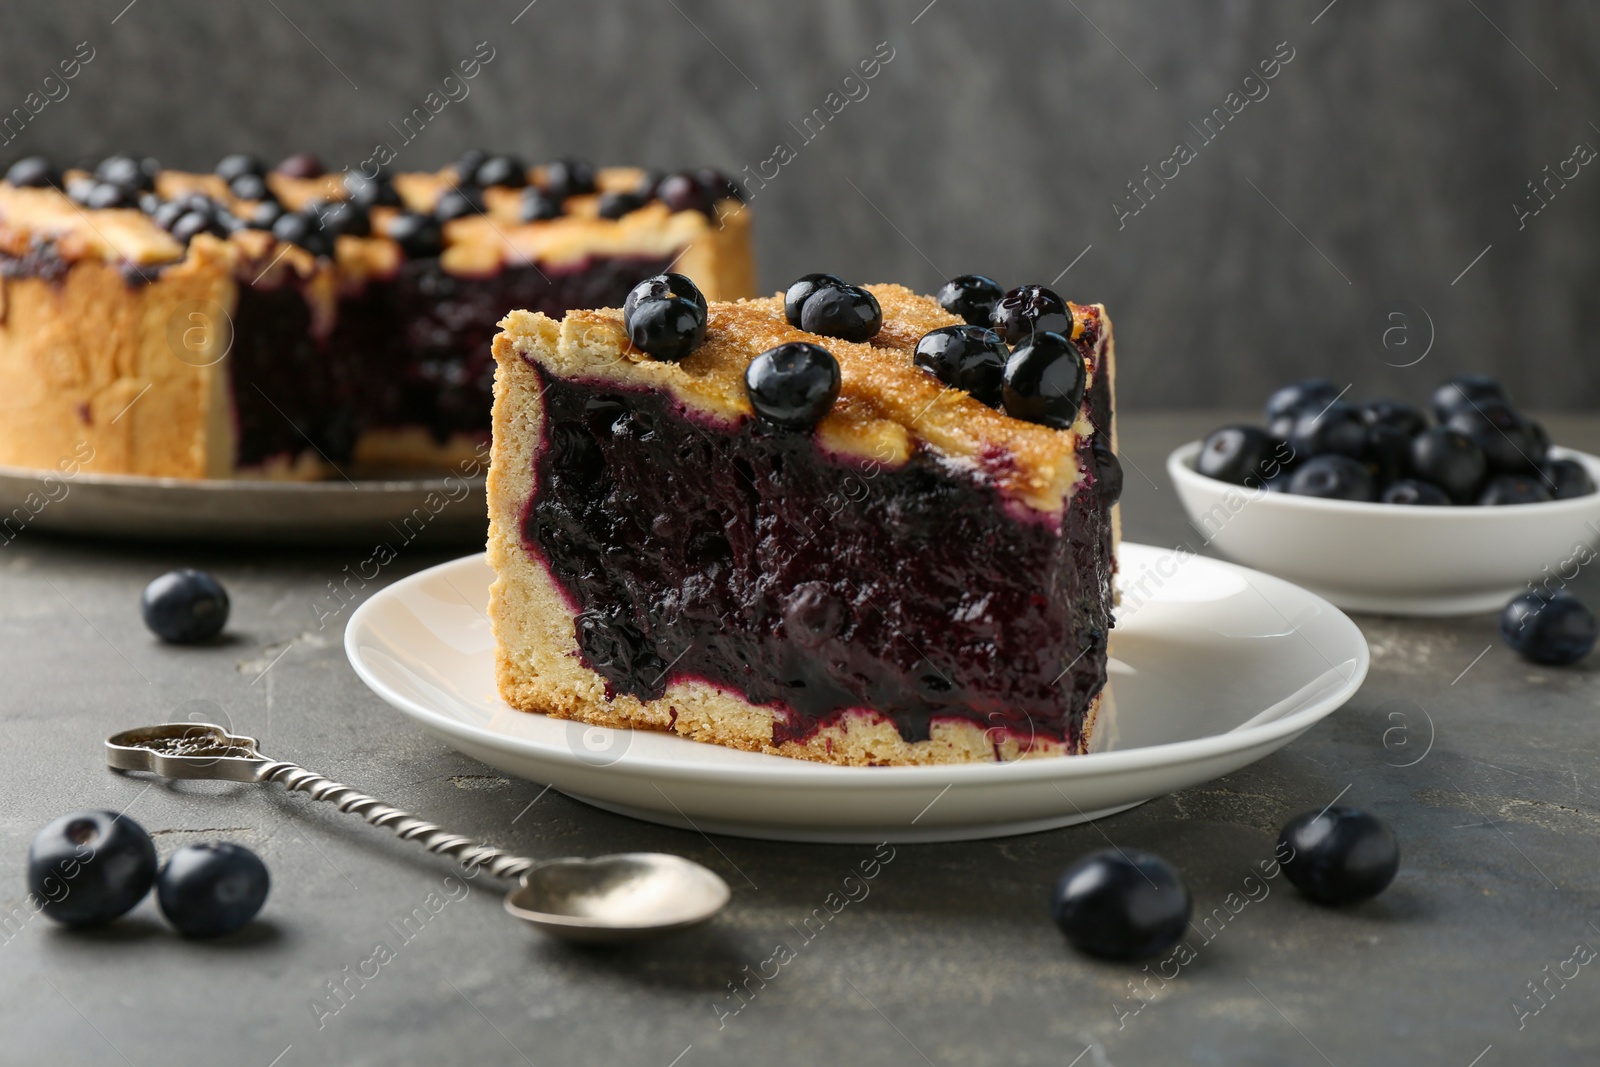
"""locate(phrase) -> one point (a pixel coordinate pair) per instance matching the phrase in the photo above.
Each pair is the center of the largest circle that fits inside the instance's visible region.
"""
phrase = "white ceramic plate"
(1390, 558)
(442, 509)
(1213, 667)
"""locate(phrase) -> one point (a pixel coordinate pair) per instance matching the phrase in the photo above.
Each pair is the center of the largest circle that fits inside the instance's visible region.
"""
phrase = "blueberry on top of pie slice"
(802, 525)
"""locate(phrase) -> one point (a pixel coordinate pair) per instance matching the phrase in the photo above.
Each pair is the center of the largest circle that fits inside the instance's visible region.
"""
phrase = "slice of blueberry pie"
(848, 523)
(287, 322)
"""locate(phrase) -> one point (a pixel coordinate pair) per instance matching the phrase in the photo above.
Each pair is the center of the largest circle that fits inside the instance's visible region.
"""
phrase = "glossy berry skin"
(1340, 855)
(1334, 429)
(1514, 489)
(305, 231)
(508, 171)
(972, 296)
(1554, 629)
(1235, 454)
(103, 195)
(663, 287)
(1333, 477)
(968, 357)
(344, 217)
(419, 236)
(793, 385)
(89, 867)
(467, 164)
(720, 185)
(192, 224)
(847, 312)
(185, 606)
(168, 213)
(1044, 381)
(800, 290)
(265, 214)
(568, 177)
(1566, 478)
(1451, 460)
(1121, 904)
(616, 205)
(666, 328)
(250, 187)
(1466, 391)
(1387, 453)
(685, 192)
(212, 889)
(1414, 493)
(540, 206)
(130, 174)
(1500, 432)
(1395, 415)
(458, 202)
(237, 165)
(1029, 310)
(302, 165)
(1107, 472)
(1315, 393)
(34, 172)
(372, 192)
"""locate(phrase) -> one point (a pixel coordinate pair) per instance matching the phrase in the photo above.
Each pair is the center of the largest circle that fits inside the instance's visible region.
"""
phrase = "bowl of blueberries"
(1381, 506)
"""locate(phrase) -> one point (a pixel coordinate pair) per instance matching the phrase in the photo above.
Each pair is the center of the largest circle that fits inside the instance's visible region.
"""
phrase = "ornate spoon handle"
(204, 750)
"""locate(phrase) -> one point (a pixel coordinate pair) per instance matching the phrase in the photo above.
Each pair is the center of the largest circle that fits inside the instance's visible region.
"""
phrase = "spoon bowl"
(630, 896)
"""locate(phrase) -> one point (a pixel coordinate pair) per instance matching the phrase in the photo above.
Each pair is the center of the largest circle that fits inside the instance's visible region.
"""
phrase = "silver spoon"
(629, 896)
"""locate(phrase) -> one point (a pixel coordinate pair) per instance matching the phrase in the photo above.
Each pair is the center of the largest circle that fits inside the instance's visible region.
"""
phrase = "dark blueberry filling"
(812, 585)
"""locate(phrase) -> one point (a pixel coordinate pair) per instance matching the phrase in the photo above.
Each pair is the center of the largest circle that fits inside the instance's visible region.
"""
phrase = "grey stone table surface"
(1484, 765)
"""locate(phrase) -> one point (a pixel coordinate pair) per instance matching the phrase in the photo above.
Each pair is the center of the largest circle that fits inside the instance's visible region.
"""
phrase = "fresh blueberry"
(847, 312)
(1335, 429)
(1237, 454)
(1029, 310)
(170, 211)
(1394, 414)
(1466, 391)
(130, 174)
(1500, 432)
(1567, 478)
(1538, 439)
(721, 186)
(191, 224)
(227, 222)
(1451, 460)
(539, 206)
(265, 214)
(968, 357)
(419, 236)
(1387, 453)
(343, 217)
(238, 165)
(1333, 477)
(1121, 904)
(568, 177)
(467, 164)
(34, 172)
(664, 287)
(972, 296)
(508, 171)
(614, 205)
(89, 867)
(1339, 855)
(1550, 628)
(250, 187)
(377, 191)
(458, 202)
(1514, 489)
(794, 385)
(304, 165)
(800, 290)
(1314, 393)
(1415, 493)
(185, 606)
(212, 889)
(685, 192)
(1044, 381)
(79, 189)
(305, 231)
(1107, 472)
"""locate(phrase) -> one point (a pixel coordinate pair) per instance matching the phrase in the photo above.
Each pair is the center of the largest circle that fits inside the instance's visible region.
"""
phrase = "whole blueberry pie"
(843, 524)
(284, 322)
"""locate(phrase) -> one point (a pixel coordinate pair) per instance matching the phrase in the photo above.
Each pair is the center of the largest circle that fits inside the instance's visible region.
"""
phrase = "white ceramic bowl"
(1392, 558)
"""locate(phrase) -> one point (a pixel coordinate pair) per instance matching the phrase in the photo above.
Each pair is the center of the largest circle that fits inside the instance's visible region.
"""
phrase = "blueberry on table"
(968, 357)
(1044, 382)
(1029, 310)
(1451, 460)
(212, 889)
(1333, 477)
(1394, 414)
(1315, 393)
(419, 236)
(1414, 493)
(185, 606)
(1566, 478)
(1340, 855)
(1336, 428)
(1237, 454)
(801, 289)
(89, 867)
(972, 296)
(793, 385)
(1121, 904)
(1514, 489)
(664, 287)
(1502, 434)
(847, 312)
(33, 172)
(1466, 391)
(1555, 629)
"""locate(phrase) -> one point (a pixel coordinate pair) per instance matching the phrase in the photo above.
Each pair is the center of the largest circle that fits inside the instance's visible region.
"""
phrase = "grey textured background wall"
(1365, 194)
